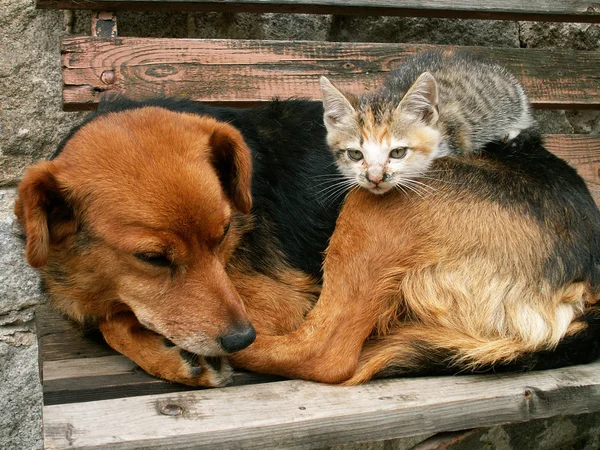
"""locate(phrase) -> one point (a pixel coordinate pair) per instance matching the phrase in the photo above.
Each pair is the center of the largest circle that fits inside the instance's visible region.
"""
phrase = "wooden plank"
(88, 367)
(108, 377)
(583, 153)
(60, 338)
(255, 71)
(304, 414)
(552, 10)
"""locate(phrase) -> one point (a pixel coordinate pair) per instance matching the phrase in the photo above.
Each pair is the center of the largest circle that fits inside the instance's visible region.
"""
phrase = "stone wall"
(32, 123)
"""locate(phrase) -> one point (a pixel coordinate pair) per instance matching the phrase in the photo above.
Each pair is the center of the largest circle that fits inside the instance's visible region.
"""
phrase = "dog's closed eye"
(156, 259)
(225, 231)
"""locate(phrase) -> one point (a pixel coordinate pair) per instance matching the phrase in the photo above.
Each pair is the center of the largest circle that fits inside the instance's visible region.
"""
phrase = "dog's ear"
(233, 162)
(42, 210)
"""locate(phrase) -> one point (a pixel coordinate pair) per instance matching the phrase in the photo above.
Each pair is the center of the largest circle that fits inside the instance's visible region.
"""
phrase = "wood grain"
(108, 377)
(555, 10)
(252, 71)
(583, 153)
(305, 414)
(60, 338)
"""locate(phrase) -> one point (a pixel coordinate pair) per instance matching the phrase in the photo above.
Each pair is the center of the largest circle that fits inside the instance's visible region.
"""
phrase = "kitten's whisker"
(334, 186)
(341, 192)
(401, 189)
(332, 196)
(419, 189)
(412, 188)
(331, 192)
(329, 175)
(425, 186)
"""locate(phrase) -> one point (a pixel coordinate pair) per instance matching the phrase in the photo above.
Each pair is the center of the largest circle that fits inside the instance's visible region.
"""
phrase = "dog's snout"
(238, 337)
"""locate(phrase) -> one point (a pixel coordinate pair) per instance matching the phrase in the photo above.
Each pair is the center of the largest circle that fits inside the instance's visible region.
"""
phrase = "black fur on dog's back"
(294, 206)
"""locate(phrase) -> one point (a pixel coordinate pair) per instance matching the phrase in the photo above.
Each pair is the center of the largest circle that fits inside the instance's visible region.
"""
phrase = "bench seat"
(96, 398)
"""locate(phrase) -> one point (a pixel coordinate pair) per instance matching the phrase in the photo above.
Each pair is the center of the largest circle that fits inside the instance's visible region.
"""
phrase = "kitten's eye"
(398, 153)
(156, 259)
(354, 155)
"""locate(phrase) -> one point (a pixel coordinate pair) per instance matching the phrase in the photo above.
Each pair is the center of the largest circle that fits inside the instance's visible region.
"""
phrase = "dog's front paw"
(212, 371)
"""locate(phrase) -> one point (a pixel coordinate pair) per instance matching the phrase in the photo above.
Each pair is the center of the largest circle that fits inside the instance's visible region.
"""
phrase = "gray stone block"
(19, 283)
(577, 36)
(20, 390)
(552, 121)
(425, 31)
(31, 119)
(20, 398)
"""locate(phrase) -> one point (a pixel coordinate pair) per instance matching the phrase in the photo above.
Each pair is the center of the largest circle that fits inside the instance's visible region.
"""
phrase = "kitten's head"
(378, 142)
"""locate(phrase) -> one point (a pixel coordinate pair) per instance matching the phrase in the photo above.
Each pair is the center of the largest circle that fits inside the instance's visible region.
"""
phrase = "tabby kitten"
(434, 105)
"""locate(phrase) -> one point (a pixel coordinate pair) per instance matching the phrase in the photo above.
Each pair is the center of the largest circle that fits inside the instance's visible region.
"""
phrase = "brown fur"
(404, 274)
(407, 275)
(144, 181)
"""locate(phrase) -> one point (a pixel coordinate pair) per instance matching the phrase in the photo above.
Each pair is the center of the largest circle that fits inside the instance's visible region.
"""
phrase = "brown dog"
(142, 224)
(136, 220)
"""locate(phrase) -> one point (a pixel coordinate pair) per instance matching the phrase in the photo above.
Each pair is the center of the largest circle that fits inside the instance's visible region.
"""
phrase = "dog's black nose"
(238, 337)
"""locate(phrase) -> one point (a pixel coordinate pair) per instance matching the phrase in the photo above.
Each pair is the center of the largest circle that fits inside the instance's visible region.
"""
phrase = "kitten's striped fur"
(434, 105)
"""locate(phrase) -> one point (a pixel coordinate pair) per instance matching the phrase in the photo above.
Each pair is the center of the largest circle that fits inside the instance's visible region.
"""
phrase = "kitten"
(434, 105)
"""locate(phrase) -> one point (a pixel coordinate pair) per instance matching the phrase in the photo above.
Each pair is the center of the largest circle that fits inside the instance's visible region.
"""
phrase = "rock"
(584, 122)
(19, 283)
(30, 86)
(425, 31)
(550, 121)
(580, 432)
(20, 398)
(20, 390)
(576, 36)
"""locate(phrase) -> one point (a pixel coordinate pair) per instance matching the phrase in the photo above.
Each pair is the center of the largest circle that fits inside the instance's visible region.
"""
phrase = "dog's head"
(141, 212)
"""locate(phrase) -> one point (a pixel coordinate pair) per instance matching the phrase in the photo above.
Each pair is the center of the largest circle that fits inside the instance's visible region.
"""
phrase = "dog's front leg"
(161, 358)
(358, 294)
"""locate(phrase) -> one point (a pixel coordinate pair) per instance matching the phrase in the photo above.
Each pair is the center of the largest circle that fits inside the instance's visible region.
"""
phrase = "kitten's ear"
(421, 100)
(338, 110)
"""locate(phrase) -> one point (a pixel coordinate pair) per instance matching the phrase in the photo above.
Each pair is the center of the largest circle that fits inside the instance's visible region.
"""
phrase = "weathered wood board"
(302, 414)
(80, 367)
(583, 153)
(555, 10)
(251, 72)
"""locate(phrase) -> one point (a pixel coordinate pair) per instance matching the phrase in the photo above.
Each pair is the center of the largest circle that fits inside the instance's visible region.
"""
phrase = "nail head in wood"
(171, 410)
(108, 77)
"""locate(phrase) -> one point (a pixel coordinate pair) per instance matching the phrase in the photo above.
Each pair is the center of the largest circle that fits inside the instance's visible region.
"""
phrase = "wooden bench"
(94, 397)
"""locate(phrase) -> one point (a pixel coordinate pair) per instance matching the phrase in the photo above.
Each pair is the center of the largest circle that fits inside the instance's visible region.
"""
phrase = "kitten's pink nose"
(375, 178)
